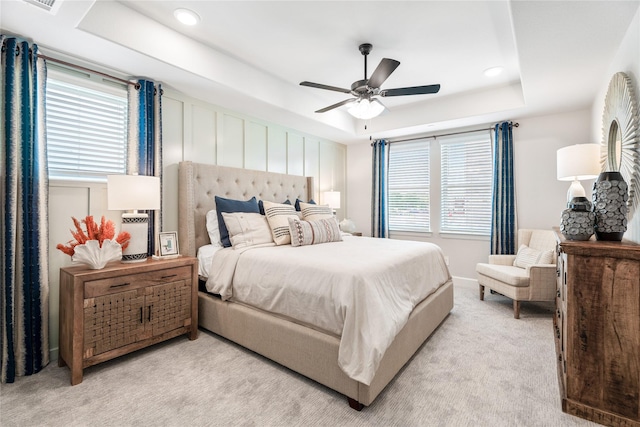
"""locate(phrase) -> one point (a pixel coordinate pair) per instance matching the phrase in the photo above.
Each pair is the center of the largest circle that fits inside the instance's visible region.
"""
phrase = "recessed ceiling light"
(493, 71)
(186, 16)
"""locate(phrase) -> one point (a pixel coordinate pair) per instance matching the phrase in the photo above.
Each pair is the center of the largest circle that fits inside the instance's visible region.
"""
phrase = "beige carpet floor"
(481, 367)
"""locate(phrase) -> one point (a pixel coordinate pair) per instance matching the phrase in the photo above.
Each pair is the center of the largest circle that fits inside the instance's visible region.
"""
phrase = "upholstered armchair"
(528, 276)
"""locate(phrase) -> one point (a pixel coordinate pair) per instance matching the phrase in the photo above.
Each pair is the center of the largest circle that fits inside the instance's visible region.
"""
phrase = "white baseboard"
(53, 354)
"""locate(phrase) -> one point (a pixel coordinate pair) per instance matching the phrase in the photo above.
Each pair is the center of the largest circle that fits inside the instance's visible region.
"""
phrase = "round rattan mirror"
(620, 135)
(614, 147)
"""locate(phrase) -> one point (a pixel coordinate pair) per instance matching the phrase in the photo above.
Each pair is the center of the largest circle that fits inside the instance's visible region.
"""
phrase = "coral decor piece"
(97, 245)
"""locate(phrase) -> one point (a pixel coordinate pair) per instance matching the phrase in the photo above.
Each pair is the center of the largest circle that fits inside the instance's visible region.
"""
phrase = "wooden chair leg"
(481, 292)
(516, 309)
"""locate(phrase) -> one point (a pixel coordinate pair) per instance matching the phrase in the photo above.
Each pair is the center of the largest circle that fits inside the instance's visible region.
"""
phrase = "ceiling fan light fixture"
(186, 16)
(365, 109)
(363, 90)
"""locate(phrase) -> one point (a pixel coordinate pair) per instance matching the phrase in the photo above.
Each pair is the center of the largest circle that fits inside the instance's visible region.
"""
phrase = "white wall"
(540, 197)
(627, 60)
(201, 132)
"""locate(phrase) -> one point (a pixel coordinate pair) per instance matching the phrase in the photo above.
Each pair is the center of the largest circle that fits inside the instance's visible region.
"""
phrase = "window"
(409, 186)
(466, 169)
(86, 125)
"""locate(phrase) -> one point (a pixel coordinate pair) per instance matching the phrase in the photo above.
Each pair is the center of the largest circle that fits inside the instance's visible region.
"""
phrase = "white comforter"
(361, 289)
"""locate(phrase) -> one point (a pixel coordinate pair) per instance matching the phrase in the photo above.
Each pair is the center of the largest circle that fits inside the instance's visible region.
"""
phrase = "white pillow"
(547, 257)
(527, 257)
(314, 232)
(247, 229)
(212, 228)
(311, 212)
(277, 215)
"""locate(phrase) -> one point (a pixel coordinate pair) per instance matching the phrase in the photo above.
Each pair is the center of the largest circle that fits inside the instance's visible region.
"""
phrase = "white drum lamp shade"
(134, 192)
(332, 198)
(576, 163)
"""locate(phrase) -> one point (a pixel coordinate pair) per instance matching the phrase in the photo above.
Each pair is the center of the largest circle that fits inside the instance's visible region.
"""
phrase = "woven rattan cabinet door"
(168, 307)
(113, 321)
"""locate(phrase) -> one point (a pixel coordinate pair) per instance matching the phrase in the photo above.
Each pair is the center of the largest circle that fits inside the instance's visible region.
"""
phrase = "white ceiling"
(251, 56)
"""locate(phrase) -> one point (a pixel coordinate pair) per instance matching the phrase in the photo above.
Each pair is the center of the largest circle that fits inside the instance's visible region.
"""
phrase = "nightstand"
(356, 233)
(124, 307)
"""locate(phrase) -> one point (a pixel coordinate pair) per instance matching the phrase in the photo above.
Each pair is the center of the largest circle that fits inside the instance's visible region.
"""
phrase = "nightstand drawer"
(129, 282)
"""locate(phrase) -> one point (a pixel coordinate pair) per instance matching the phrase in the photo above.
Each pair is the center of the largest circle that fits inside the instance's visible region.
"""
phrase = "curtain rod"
(446, 134)
(89, 70)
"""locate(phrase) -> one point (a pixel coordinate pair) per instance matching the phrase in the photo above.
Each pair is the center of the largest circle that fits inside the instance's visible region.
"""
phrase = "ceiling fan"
(367, 91)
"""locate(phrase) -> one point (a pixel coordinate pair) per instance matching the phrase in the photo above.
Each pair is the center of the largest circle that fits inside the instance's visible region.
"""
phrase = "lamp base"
(137, 225)
(575, 190)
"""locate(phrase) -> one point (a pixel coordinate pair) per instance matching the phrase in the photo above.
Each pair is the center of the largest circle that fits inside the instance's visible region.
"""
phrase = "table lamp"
(332, 198)
(576, 163)
(134, 192)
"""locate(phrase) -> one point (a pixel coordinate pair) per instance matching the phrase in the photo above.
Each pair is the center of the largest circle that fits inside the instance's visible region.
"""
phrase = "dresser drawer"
(130, 282)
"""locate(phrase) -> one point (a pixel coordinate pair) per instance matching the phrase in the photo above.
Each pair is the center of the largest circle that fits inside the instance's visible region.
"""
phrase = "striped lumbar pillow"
(313, 232)
(278, 214)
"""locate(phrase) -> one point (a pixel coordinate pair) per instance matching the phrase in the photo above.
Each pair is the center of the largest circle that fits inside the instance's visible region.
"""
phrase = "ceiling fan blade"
(415, 90)
(321, 86)
(339, 104)
(382, 72)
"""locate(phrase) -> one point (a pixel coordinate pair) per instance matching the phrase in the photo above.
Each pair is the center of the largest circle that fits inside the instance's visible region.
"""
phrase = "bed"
(311, 351)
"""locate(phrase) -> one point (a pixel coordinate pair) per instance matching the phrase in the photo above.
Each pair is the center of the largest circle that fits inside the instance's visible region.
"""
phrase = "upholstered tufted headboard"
(198, 184)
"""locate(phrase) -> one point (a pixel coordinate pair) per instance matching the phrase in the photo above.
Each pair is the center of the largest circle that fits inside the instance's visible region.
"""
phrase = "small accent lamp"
(366, 109)
(332, 198)
(578, 162)
(134, 192)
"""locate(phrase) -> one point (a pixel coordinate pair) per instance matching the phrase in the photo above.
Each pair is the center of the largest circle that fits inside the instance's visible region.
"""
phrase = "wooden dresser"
(597, 328)
(124, 307)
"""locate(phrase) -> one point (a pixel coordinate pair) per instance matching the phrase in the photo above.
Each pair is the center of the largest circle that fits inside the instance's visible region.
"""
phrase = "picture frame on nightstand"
(168, 244)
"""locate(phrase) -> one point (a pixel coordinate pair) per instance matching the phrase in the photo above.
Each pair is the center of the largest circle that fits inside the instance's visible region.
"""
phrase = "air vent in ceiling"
(48, 5)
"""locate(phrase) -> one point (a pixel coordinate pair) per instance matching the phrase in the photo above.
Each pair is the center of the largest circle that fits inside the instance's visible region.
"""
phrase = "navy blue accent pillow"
(298, 203)
(261, 205)
(229, 206)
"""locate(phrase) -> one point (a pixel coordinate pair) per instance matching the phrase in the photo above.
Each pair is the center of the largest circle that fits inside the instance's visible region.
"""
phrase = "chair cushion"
(509, 274)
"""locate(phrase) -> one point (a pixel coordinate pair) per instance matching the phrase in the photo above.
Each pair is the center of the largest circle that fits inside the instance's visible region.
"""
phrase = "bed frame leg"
(354, 404)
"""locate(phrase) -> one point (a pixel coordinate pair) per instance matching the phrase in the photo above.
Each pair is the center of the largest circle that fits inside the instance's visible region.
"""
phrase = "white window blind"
(409, 186)
(86, 130)
(466, 163)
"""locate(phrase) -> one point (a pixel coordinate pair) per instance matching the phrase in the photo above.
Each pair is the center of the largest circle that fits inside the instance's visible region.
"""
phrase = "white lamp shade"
(331, 198)
(365, 109)
(133, 192)
(578, 162)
